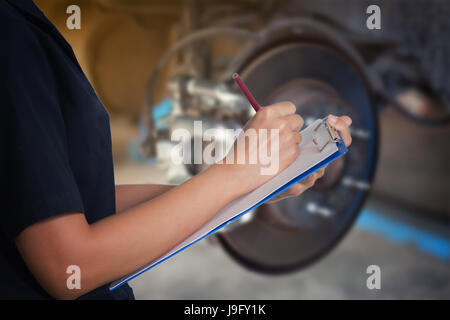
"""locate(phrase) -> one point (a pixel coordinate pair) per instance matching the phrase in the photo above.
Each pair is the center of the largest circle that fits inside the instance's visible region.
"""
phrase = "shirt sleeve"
(37, 176)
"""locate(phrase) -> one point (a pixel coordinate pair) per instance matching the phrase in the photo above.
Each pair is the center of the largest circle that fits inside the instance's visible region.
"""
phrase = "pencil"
(245, 91)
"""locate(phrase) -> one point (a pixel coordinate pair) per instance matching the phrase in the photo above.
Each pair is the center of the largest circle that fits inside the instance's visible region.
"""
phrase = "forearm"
(119, 244)
(130, 195)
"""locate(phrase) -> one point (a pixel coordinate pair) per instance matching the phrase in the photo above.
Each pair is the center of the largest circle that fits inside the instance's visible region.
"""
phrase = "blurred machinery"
(323, 70)
(317, 54)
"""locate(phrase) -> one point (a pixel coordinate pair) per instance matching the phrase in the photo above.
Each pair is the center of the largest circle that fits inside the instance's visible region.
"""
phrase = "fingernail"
(332, 118)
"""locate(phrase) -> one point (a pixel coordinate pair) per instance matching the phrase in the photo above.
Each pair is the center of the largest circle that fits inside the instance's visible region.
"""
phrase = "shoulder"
(10, 19)
(23, 54)
(17, 35)
(25, 65)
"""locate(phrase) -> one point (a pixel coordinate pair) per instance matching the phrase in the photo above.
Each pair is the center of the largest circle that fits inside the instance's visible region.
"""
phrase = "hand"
(282, 149)
(339, 123)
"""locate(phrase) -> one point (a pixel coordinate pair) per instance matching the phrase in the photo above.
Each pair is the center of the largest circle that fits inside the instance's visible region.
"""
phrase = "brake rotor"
(319, 80)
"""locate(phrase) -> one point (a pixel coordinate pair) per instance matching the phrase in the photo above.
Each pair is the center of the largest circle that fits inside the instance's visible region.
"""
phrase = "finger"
(296, 189)
(320, 172)
(342, 127)
(297, 137)
(305, 184)
(287, 138)
(309, 181)
(285, 108)
(294, 121)
(347, 120)
(315, 176)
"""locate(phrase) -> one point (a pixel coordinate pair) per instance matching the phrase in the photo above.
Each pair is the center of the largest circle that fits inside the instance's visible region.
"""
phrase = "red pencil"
(246, 92)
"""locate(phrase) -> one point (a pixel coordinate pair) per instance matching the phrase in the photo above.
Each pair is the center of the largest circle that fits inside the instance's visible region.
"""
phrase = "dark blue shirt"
(55, 143)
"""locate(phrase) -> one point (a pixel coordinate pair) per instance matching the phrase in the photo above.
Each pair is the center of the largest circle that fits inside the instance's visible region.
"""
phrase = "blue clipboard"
(341, 150)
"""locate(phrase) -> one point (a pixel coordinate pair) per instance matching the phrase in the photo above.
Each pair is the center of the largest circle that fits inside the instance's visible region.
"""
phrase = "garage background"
(404, 227)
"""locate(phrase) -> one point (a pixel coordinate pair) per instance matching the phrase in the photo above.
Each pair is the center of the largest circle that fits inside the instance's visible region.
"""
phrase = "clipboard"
(320, 145)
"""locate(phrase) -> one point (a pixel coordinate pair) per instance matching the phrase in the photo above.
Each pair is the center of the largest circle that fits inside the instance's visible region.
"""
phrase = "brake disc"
(320, 80)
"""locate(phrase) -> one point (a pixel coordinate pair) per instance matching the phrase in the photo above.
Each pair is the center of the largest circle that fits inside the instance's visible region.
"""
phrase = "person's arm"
(118, 244)
(130, 195)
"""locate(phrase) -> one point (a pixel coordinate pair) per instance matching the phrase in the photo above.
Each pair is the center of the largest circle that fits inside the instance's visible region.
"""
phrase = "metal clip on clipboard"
(331, 135)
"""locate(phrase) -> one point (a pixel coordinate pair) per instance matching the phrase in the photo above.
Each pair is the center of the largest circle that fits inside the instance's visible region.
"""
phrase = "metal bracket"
(334, 135)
